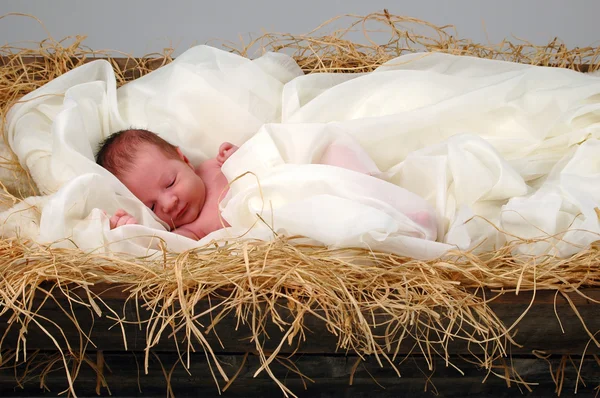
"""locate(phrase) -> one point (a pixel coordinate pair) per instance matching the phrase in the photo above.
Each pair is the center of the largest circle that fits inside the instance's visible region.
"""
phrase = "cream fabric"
(496, 150)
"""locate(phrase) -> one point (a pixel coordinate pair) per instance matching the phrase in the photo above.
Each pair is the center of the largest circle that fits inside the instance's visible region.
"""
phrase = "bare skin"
(184, 197)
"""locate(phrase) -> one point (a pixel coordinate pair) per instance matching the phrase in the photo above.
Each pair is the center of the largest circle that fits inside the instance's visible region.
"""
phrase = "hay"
(372, 302)
(353, 43)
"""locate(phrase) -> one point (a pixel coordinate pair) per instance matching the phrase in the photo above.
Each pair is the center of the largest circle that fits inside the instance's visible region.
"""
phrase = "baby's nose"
(170, 203)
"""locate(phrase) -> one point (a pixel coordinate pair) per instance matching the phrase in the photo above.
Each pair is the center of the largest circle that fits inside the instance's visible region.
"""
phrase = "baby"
(187, 197)
(161, 176)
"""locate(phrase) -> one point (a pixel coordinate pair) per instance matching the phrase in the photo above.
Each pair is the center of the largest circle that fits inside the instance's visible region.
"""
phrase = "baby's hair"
(118, 151)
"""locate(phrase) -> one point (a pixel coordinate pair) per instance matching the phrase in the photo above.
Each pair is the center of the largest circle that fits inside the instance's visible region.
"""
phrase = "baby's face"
(169, 187)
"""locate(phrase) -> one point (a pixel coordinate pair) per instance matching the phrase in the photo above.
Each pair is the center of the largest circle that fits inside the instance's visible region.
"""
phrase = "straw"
(373, 303)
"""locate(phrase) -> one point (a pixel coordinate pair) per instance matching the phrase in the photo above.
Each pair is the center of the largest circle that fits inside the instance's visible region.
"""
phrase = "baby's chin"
(189, 217)
(174, 224)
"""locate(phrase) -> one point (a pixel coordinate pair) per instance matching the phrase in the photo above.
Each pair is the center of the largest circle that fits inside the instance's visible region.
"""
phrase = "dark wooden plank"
(330, 377)
(128, 64)
(538, 330)
(122, 63)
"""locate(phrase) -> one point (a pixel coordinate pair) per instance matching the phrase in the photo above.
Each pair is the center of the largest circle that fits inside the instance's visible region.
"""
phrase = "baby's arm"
(225, 151)
(121, 217)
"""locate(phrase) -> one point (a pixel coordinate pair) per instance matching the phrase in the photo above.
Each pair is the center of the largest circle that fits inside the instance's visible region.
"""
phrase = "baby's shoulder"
(208, 168)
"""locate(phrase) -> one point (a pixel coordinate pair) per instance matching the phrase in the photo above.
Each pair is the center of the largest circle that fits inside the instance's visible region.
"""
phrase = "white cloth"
(332, 205)
(492, 146)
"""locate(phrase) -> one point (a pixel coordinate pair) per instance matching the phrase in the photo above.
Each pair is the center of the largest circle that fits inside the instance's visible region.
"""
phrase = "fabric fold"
(445, 152)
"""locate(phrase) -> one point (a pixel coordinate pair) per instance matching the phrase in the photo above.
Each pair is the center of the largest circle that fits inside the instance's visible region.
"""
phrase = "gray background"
(139, 27)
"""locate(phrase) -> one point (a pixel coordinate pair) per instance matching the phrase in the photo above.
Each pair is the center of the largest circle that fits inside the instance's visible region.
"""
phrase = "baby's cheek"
(166, 220)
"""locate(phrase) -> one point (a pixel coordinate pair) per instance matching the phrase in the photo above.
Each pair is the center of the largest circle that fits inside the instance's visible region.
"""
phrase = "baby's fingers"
(120, 220)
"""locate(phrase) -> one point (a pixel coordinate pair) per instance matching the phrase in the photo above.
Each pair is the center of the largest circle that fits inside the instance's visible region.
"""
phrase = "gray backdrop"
(139, 27)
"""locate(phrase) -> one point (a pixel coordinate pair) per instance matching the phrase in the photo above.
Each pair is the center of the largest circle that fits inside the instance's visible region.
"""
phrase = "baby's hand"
(121, 218)
(225, 151)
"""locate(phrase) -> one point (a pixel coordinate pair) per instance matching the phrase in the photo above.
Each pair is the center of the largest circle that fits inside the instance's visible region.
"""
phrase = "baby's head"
(156, 172)
(120, 150)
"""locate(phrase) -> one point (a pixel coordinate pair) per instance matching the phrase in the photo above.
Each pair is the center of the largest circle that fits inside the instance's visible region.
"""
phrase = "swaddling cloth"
(281, 189)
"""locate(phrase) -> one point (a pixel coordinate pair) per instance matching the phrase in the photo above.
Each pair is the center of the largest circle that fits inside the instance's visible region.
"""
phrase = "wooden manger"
(212, 322)
(551, 336)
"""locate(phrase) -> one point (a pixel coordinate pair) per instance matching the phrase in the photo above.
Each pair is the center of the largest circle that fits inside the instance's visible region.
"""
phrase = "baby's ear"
(182, 156)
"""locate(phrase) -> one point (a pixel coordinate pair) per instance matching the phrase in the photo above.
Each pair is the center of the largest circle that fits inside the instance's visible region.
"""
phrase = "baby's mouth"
(181, 212)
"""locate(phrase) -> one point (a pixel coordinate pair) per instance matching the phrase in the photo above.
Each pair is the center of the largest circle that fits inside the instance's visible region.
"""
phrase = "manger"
(344, 294)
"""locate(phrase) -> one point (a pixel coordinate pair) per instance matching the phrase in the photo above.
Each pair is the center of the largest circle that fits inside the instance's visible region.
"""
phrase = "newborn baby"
(161, 176)
(186, 197)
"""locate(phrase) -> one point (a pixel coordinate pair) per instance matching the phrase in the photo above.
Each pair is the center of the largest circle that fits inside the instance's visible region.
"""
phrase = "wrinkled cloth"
(295, 195)
(492, 151)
